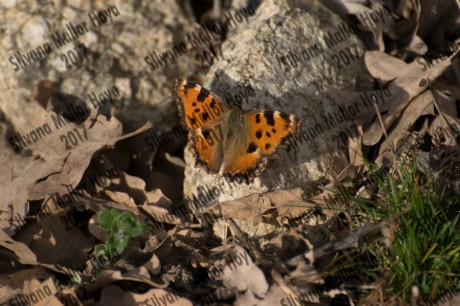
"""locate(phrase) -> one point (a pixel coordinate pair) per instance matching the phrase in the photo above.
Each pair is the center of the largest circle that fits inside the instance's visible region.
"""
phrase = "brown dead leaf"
(56, 240)
(340, 173)
(274, 296)
(161, 244)
(71, 163)
(69, 296)
(192, 237)
(7, 293)
(355, 150)
(125, 189)
(120, 197)
(382, 28)
(153, 265)
(157, 198)
(56, 165)
(95, 230)
(113, 295)
(437, 19)
(107, 277)
(414, 78)
(162, 209)
(161, 214)
(444, 130)
(24, 255)
(420, 106)
(35, 288)
(241, 273)
(286, 202)
(409, 76)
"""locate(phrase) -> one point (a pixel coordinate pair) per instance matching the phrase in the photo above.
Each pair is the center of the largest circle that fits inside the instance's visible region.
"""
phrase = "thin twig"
(391, 143)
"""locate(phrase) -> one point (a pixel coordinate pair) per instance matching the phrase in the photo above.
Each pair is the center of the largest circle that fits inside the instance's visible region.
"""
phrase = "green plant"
(423, 247)
(121, 226)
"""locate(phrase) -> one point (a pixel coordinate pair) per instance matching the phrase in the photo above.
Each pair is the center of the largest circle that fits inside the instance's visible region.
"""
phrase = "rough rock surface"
(285, 54)
(116, 52)
(36, 44)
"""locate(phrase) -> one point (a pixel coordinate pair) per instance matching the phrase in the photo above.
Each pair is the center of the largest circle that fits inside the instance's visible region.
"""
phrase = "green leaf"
(121, 245)
(100, 249)
(107, 218)
(135, 231)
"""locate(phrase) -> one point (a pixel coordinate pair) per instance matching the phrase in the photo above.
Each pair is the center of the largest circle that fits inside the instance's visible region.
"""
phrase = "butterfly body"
(225, 140)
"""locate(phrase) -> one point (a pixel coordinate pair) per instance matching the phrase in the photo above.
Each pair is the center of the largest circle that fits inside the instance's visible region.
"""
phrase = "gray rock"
(116, 53)
(285, 54)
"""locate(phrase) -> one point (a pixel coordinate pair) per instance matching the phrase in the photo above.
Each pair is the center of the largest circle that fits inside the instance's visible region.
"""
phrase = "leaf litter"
(202, 256)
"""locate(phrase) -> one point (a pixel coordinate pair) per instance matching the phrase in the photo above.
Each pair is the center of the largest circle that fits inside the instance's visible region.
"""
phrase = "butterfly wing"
(203, 113)
(268, 130)
(262, 133)
(197, 106)
(207, 148)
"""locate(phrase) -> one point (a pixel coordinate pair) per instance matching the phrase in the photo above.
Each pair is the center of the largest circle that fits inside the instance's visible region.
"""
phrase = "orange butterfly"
(225, 140)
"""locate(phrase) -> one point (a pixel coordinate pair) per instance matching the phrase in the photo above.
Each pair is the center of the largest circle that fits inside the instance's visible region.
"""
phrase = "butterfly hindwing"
(197, 106)
(246, 162)
(206, 148)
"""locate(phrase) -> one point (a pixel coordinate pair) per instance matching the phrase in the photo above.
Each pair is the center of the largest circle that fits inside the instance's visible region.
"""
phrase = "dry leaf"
(33, 291)
(56, 239)
(113, 295)
(243, 274)
(57, 164)
(24, 255)
(107, 277)
(287, 203)
(420, 106)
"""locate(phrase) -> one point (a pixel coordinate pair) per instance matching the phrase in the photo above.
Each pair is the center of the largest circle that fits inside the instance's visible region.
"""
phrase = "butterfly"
(225, 140)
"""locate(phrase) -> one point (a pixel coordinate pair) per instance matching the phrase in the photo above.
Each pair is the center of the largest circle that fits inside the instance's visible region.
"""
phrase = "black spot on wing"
(273, 131)
(204, 93)
(196, 110)
(259, 134)
(189, 85)
(207, 136)
(268, 134)
(251, 148)
(270, 119)
(267, 146)
(205, 116)
(285, 117)
(194, 104)
(213, 103)
(258, 118)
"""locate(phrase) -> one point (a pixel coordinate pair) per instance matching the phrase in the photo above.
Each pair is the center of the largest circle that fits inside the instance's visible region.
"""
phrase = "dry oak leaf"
(107, 277)
(56, 164)
(24, 254)
(252, 207)
(113, 295)
(55, 240)
(244, 275)
(406, 81)
(37, 293)
(419, 106)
